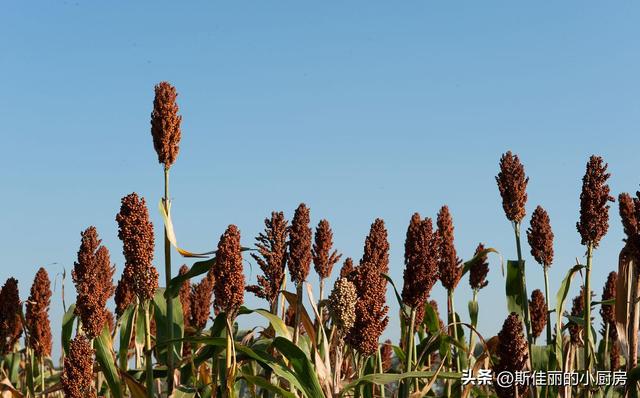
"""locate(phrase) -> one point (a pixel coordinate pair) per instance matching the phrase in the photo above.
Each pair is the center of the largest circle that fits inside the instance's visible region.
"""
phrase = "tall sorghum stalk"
(147, 349)
(540, 237)
(165, 130)
(512, 183)
(420, 274)
(477, 280)
(323, 261)
(592, 226)
(450, 270)
(135, 230)
(229, 293)
(299, 258)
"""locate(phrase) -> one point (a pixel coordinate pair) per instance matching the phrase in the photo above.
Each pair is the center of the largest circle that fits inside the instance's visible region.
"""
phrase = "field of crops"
(180, 337)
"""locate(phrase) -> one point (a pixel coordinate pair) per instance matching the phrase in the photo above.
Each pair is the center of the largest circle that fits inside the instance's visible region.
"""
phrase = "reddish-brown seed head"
(629, 212)
(575, 330)
(479, 270)
(512, 183)
(165, 124)
(323, 258)
(185, 296)
(228, 273)
(77, 374)
(513, 355)
(347, 268)
(448, 261)
(420, 258)
(300, 245)
(376, 247)
(538, 310)
(93, 277)
(594, 199)
(540, 237)
(607, 311)
(124, 295)
(37, 314)
(386, 352)
(271, 257)
(136, 233)
(371, 287)
(10, 323)
(201, 298)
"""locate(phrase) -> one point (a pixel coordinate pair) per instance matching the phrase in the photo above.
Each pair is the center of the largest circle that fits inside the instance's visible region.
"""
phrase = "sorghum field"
(179, 338)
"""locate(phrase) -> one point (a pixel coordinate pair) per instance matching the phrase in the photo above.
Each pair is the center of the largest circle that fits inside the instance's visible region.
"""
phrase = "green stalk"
(147, 351)
(42, 383)
(409, 352)
(381, 370)
(455, 328)
(546, 297)
(296, 326)
(230, 363)
(527, 316)
(169, 301)
(606, 348)
(587, 314)
(472, 335)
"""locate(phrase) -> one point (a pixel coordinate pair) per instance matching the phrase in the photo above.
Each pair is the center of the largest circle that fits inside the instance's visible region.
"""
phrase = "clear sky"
(361, 109)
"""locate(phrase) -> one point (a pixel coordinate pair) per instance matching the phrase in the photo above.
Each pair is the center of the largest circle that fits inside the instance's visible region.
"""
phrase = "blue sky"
(359, 109)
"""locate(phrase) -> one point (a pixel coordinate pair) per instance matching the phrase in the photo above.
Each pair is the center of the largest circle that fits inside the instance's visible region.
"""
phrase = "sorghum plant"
(540, 237)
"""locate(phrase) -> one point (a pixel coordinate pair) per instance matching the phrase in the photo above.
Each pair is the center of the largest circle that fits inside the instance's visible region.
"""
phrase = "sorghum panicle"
(201, 298)
(300, 245)
(271, 257)
(538, 310)
(513, 354)
(228, 273)
(371, 287)
(448, 261)
(185, 296)
(93, 277)
(347, 268)
(479, 270)
(77, 375)
(540, 237)
(124, 295)
(165, 124)
(594, 198)
(10, 323)
(512, 183)
(420, 258)
(37, 315)
(136, 233)
(342, 303)
(323, 258)
(607, 311)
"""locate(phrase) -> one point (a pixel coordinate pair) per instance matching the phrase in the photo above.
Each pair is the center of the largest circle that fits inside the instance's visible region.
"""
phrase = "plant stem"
(229, 362)
(546, 294)
(525, 297)
(380, 370)
(147, 350)
(296, 326)
(409, 352)
(587, 314)
(169, 300)
(455, 328)
(606, 348)
(472, 335)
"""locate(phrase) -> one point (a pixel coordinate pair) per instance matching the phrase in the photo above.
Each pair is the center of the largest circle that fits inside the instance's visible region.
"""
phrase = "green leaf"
(105, 357)
(514, 289)
(262, 383)
(127, 321)
(430, 319)
(561, 296)
(301, 365)
(278, 324)
(160, 314)
(196, 269)
(540, 356)
(136, 389)
(403, 308)
(67, 327)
